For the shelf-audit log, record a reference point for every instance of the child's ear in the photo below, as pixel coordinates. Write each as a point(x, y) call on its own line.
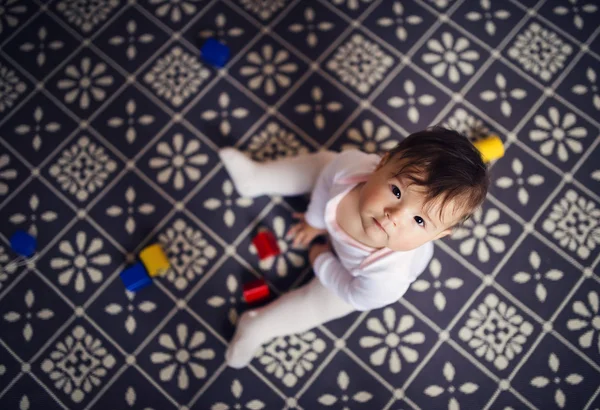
point(383, 161)
point(445, 232)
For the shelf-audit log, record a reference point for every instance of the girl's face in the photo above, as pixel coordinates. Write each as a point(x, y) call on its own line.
point(393, 215)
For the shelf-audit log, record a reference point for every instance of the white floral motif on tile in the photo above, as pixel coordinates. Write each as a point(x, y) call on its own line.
point(540, 51)
point(587, 321)
point(212, 204)
point(177, 76)
point(288, 255)
point(351, 4)
point(11, 11)
point(274, 142)
point(592, 87)
point(222, 30)
point(495, 331)
point(132, 121)
point(224, 112)
point(34, 128)
point(400, 20)
point(130, 40)
point(237, 389)
point(264, 9)
point(28, 316)
point(411, 100)
point(370, 139)
point(80, 261)
point(488, 16)
point(360, 63)
point(448, 388)
point(464, 123)
point(86, 15)
point(343, 381)
point(578, 10)
point(33, 216)
point(7, 173)
point(436, 284)
point(42, 46)
point(552, 275)
point(318, 108)
point(393, 341)
point(83, 168)
point(482, 234)
point(269, 69)
point(11, 87)
point(451, 56)
point(519, 182)
point(554, 381)
point(189, 253)
point(291, 358)
point(311, 27)
point(78, 364)
point(503, 94)
point(558, 132)
point(182, 356)
point(85, 82)
point(130, 309)
point(130, 210)
point(231, 298)
point(175, 10)
point(574, 223)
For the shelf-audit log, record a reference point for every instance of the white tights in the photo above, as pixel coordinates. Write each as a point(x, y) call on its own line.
point(303, 308)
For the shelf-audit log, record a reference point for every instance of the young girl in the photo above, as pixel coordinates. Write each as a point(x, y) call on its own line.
point(381, 215)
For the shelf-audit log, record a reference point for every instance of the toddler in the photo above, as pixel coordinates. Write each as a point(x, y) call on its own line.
point(381, 215)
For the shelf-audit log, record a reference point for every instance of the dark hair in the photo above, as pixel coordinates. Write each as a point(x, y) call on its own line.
point(447, 165)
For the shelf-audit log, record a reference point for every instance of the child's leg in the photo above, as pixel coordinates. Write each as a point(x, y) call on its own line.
point(286, 176)
point(294, 312)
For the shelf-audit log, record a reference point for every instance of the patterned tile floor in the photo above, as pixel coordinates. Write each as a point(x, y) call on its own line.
point(109, 126)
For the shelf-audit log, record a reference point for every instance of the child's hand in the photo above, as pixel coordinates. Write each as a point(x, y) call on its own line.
point(302, 232)
point(316, 250)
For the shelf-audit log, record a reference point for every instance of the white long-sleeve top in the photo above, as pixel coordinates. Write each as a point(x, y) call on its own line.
point(365, 277)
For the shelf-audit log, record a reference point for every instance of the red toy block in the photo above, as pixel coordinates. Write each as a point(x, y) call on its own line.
point(266, 245)
point(255, 291)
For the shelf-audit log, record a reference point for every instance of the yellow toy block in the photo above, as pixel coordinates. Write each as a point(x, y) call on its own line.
point(490, 148)
point(155, 260)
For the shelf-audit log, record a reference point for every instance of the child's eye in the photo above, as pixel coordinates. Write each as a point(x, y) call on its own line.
point(396, 191)
point(419, 221)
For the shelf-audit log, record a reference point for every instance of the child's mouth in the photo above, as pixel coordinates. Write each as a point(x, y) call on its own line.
point(379, 225)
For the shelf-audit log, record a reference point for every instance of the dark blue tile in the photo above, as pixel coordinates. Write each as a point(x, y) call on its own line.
point(220, 300)
point(129, 317)
point(504, 95)
point(344, 383)
point(309, 27)
point(131, 39)
point(29, 394)
point(82, 169)
point(86, 19)
point(38, 211)
point(283, 270)
point(318, 108)
point(80, 262)
point(506, 401)
point(131, 121)
point(31, 314)
point(521, 182)
point(488, 21)
point(220, 207)
point(133, 390)
point(540, 52)
point(224, 114)
point(577, 321)
point(268, 69)
point(580, 86)
point(263, 12)
point(450, 380)
point(15, 86)
point(9, 271)
point(84, 83)
point(538, 277)
point(495, 332)
point(9, 367)
point(578, 19)
point(440, 290)
point(554, 377)
point(175, 15)
point(361, 63)
point(191, 251)
point(392, 341)
point(595, 44)
point(41, 46)
point(353, 8)
point(589, 172)
point(12, 174)
point(400, 24)
point(369, 134)
point(411, 101)
point(77, 363)
point(37, 128)
point(130, 211)
point(178, 161)
point(15, 14)
point(182, 357)
point(238, 389)
point(484, 239)
point(223, 23)
point(450, 57)
point(469, 123)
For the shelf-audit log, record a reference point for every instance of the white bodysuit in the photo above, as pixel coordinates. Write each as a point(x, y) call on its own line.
point(364, 277)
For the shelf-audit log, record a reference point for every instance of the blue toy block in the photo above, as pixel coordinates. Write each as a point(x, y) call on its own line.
point(23, 243)
point(135, 277)
point(215, 53)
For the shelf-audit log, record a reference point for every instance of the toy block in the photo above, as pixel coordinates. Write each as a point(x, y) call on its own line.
point(215, 53)
point(23, 243)
point(135, 277)
point(155, 260)
point(255, 291)
point(266, 244)
point(490, 148)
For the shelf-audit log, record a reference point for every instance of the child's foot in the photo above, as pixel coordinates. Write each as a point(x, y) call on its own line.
point(242, 171)
point(244, 344)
